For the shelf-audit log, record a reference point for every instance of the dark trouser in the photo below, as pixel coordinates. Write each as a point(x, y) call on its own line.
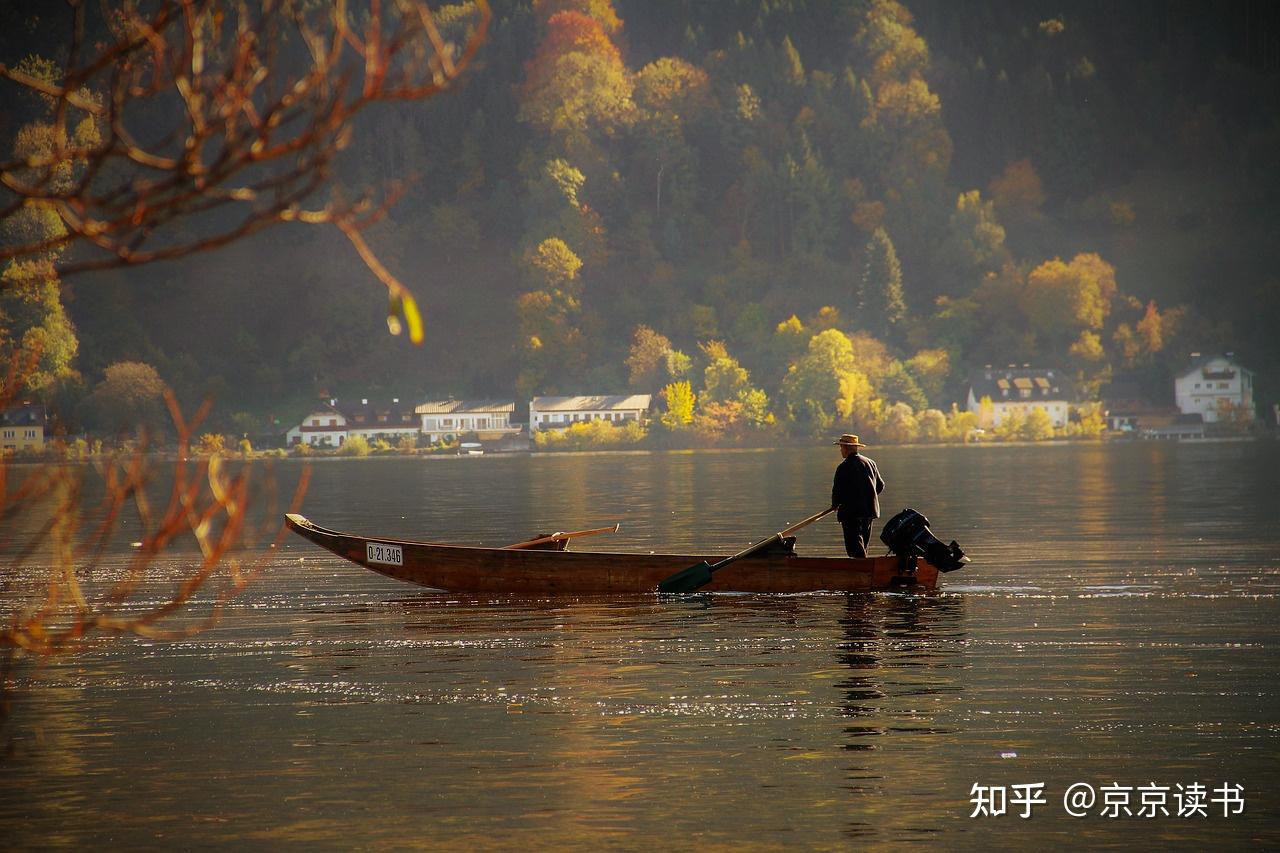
point(857, 532)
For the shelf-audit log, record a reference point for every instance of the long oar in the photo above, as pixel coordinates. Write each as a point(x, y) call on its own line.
point(555, 537)
point(696, 577)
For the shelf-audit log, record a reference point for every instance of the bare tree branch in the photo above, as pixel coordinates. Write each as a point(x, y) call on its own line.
point(254, 101)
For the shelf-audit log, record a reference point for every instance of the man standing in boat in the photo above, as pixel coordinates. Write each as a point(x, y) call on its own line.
point(855, 495)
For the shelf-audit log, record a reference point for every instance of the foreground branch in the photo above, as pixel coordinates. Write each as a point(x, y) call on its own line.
point(248, 105)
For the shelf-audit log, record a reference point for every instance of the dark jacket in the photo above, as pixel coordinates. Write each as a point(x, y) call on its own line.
point(856, 488)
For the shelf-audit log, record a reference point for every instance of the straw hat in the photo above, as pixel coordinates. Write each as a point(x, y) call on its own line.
point(849, 438)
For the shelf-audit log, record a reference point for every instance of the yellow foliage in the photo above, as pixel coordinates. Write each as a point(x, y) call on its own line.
point(1060, 298)
point(601, 11)
point(1038, 426)
point(1088, 348)
point(680, 401)
point(589, 435)
point(898, 424)
point(670, 85)
point(211, 444)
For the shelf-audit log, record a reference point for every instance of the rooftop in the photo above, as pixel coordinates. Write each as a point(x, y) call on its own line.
point(1040, 383)
point(1202, 363)
point(457, 407)
point(26, 414)
point(591, 404)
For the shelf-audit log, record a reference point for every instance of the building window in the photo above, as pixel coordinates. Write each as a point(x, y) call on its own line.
point(333, 422)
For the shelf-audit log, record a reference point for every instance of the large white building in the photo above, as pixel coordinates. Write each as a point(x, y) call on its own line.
point(1212, 383)
point(560, 412)
point(332, 425)
point(1019, 389)
point(324, 426)
point(448, 419)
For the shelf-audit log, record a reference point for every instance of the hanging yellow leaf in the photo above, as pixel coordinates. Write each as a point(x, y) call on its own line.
point(402, 313)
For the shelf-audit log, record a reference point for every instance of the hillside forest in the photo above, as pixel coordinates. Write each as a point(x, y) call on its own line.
point(794, 216)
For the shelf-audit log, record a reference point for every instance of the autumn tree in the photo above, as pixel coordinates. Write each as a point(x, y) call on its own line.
point(648, 357)
point(34, 323)
point(898, 424)
point(824, 384)
point(723, 378)
point(600, 11)
point(1139, 342)
point(131, 394)
point(552, 342)
point(1061, 300)
point(933, 425)
point(1010, 426)
point(1038, 426)
point(576, 87)
point(725, 381)
point(675, 88)
point(930, 369)
point(554, 267)
point(1017, 191)
point(680, 403)
point(790, 338)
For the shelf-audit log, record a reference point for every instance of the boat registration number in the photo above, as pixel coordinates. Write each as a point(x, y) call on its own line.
point(381, 552)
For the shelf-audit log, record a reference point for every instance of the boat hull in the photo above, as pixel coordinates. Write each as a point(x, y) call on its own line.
point(459, 568)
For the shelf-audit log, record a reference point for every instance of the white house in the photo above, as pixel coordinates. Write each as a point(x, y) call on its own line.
point(1211, 383)
point(375, 421)
point(559, 412)
point(1019, 389)
point(22, 428)
point(325, 426)
point(450, 418)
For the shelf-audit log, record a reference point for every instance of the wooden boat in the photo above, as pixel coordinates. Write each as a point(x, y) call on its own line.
point(548, 569)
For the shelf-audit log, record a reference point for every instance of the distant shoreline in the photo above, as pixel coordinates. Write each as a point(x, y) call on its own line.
point(332, 455)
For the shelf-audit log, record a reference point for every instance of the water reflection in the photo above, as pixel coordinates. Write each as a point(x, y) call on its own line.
point(1133, 638)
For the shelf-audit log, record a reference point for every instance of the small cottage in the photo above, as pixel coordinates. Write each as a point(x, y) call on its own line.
point(22, 428)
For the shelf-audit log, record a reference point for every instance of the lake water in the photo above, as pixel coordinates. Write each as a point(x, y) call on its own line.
point(1119, 626)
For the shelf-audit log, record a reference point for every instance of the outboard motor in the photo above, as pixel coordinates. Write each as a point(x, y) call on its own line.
point(908, 535)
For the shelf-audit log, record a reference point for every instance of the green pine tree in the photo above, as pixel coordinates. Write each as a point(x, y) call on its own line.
point(880, 301)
